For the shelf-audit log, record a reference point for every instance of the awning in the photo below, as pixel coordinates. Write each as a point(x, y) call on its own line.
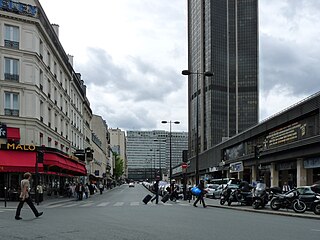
point(13, 134)
point(18, 161)
point(53, 159)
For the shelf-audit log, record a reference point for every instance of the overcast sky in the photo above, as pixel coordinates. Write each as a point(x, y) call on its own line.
point(130, 54)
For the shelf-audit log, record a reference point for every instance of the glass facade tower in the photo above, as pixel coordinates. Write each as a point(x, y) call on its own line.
point(223, 39)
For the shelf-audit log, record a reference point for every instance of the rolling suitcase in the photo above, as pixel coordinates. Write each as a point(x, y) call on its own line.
point(165, 198)
point(147, 199)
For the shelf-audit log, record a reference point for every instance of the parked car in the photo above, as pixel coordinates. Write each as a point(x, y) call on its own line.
point(131, 184)
point(210, 188)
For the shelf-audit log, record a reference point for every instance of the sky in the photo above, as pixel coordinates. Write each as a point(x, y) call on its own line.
point(130, 53)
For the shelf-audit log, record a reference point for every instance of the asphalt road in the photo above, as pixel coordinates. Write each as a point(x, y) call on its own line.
point(120, 214)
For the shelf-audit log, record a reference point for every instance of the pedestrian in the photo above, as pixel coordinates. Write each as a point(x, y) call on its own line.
point(101, 187)
point(156, 190)
point(25, 197)
point(86, 190)
point(200, 196)
point(285, 187)
point(40, 193)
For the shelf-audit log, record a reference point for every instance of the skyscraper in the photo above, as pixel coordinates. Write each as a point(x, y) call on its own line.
point(223, 39)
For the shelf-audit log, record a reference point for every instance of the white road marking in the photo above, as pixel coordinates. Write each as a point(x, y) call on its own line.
point(118, 204)
point(103, 204)
point(134, 204)
point(70, 205)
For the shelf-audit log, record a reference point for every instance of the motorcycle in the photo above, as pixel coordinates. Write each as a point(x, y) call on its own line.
point(237, 195)
point(316, 206)
point(225, 194)
point(288, 200)
point(260, 196)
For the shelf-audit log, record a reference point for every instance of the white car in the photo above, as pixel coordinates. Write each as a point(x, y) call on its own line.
point(131, 184)
point(210, 188)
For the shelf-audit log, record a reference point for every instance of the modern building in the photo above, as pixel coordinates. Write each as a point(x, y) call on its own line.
point(222, 39)
point(282, 148)
point(44, 106)
point(148, 153)
point(118, 145)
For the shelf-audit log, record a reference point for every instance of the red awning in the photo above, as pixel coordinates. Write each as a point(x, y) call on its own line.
point(13, 134)
point(53, 159)
point(18, 161)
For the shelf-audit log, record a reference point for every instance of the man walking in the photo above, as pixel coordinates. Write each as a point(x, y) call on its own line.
point(24, 197)
point(156, 190)
point(200, 197)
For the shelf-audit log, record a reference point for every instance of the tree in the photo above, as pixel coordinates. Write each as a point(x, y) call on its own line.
point(118, 169)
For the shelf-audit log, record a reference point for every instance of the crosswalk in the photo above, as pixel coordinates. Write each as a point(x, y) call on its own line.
point(110, 204)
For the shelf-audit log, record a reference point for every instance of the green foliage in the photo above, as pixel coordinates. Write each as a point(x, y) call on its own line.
point(118, 169)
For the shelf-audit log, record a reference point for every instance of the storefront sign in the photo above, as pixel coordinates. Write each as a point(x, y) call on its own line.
point(236, 167)
point(287, 166)
point(13, 146)
point(312, 163)
point(3, 131)
point(17, 7)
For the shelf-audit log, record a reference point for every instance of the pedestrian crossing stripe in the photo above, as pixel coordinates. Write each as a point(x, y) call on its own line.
point(103, 204)
point(114, 204)
point(118, 204)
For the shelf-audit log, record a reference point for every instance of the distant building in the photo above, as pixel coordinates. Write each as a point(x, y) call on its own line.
point(148, 153)
point(118, 145)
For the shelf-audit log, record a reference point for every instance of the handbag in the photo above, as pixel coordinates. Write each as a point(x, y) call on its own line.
point(196, 191)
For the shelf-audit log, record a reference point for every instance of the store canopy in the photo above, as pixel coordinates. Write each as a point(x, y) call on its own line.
point(53, 159)
point(18, 161)
point(13, 134)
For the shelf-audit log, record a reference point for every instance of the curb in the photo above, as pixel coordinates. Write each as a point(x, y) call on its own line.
point(271, 212)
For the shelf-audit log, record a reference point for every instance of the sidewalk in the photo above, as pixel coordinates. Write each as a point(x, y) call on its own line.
point(266, 210)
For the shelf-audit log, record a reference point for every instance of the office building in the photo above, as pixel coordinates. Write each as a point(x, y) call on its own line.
point(222, 39)
point(148, 153)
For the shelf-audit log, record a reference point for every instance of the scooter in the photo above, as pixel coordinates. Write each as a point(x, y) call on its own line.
point(288, 200)
point(260, 196)
point(239, 196)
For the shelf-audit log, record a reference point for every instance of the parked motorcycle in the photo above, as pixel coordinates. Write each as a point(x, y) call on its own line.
point(239, 196)
point(225, 194)
point(260, 196)
point(316, 206)
point(288, 200)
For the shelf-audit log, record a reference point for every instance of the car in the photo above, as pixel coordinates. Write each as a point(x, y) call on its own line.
point(217, 192)
point(131, 184)
point(210, 188)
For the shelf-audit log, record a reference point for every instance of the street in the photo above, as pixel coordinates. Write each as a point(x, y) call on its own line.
point(120, 214)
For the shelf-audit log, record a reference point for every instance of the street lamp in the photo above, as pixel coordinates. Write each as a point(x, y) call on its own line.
point(206, 74)
point(170, 158)
point(160, 169)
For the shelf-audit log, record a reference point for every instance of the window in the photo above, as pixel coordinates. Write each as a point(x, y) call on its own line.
point(11, 38)
point(11, 69)
point(11, 105)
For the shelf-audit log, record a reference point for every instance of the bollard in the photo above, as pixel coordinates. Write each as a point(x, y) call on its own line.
point(5, 196)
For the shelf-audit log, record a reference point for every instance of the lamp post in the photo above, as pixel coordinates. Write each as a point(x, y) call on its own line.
point(160, 170)
point(170, 156)
point(206, 74)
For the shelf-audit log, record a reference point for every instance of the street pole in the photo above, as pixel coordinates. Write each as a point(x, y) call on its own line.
point(170, 147)
point(206, 74)
point(197, 131)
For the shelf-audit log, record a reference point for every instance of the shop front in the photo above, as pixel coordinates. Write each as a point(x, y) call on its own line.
point(54, 169)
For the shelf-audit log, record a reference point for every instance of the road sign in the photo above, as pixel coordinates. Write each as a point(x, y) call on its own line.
point(184, 165)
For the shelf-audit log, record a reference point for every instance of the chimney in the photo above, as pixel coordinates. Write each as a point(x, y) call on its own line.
point(56, 29)
point(70, 59)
